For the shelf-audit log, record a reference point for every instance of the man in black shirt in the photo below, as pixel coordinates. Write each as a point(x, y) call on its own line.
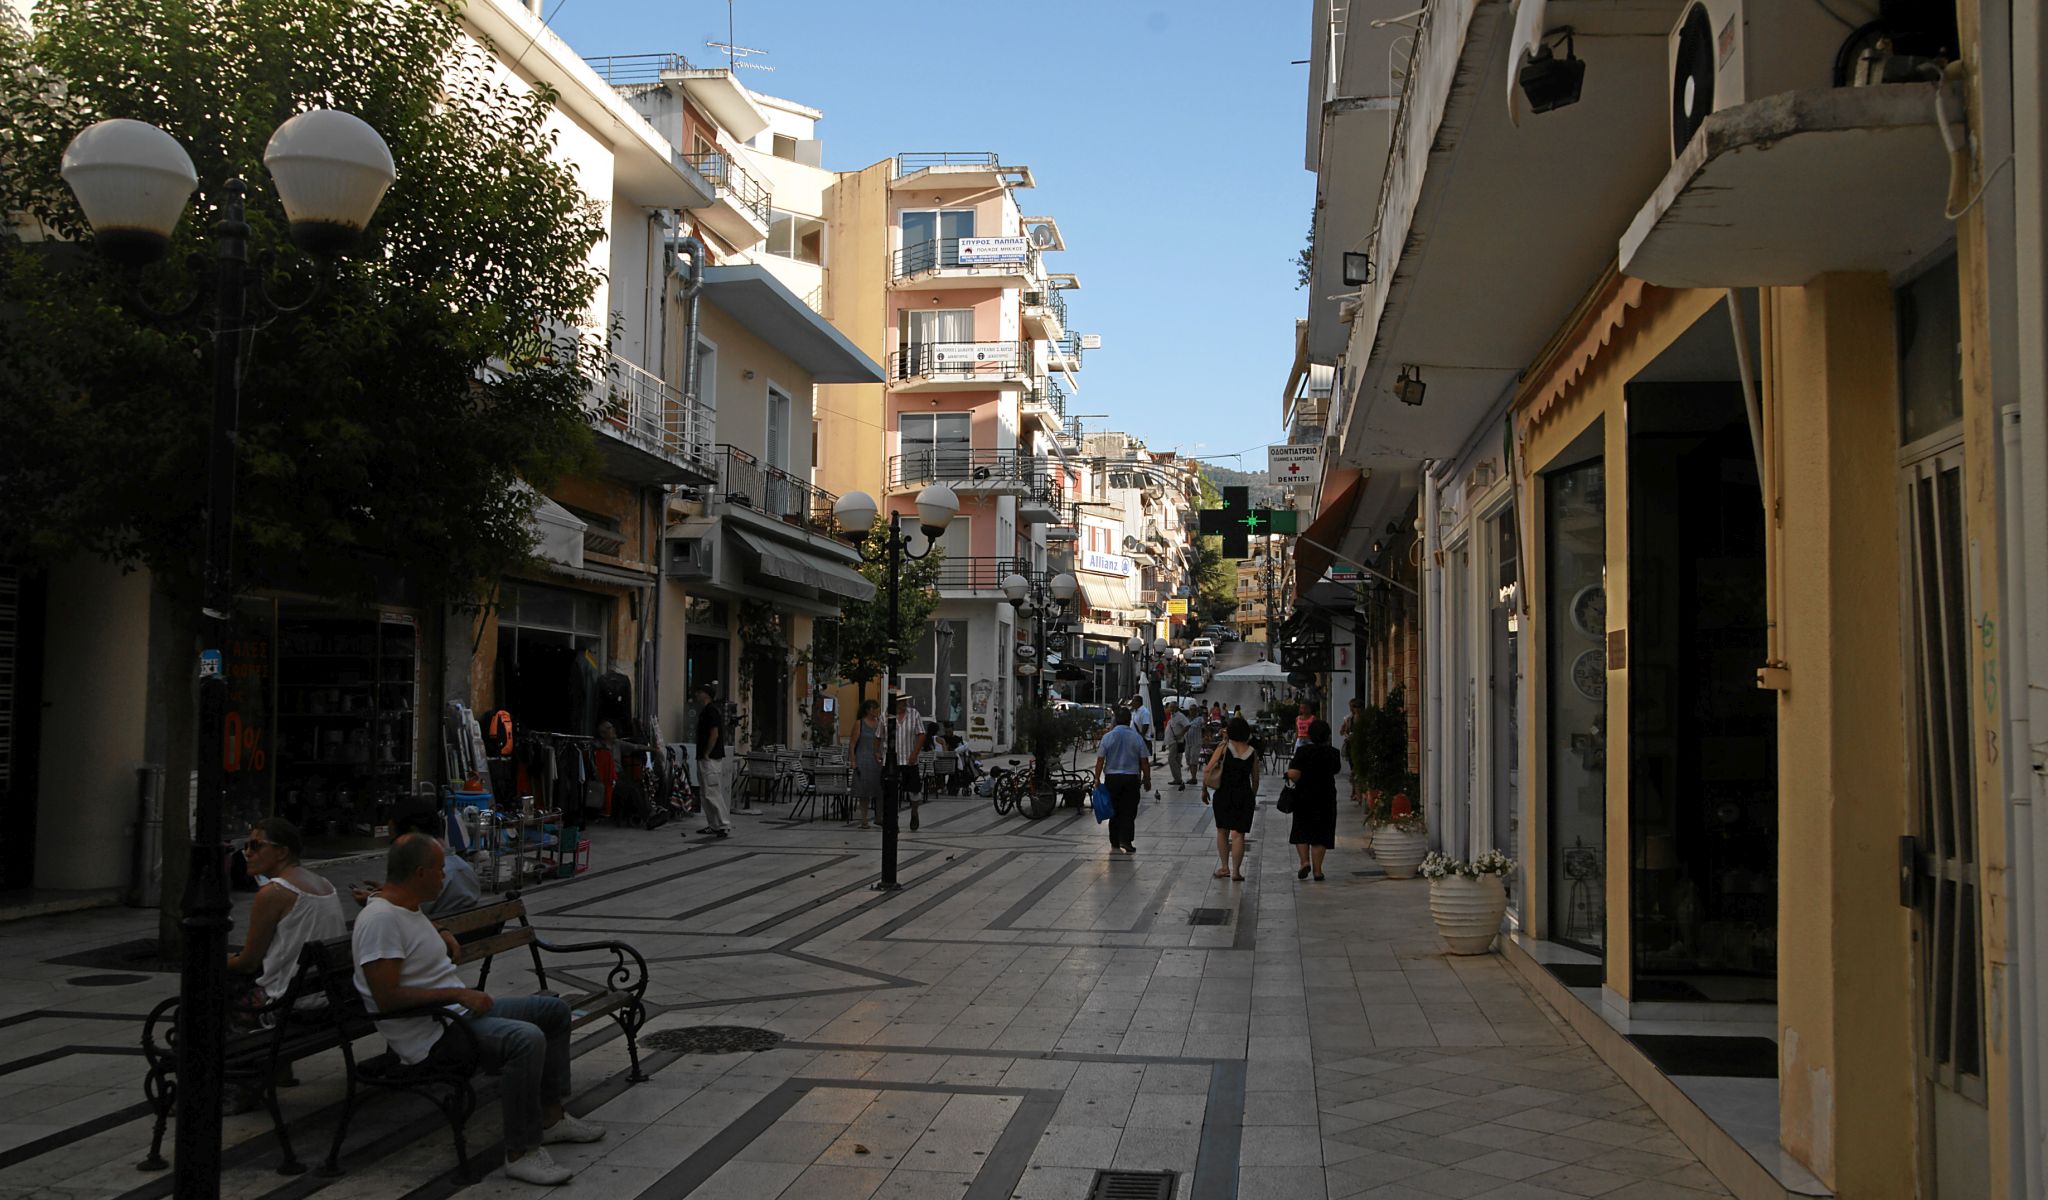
point(714, 763)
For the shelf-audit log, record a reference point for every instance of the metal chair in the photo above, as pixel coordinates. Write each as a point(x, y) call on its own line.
point(760, 772)
point(939, 769)
point(828, 788)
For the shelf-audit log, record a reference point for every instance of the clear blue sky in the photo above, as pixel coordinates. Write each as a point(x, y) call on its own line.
point(1165, 136)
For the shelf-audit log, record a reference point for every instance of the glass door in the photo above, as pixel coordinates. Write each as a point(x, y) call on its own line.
point(934, 446)
point(1504, 694)
point(931, 237)
point(1575, 549)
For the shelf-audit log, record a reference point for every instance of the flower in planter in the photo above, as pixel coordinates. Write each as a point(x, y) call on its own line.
point(1400, 806)
point(1493, 862)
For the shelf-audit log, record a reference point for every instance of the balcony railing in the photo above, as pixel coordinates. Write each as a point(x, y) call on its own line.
point(940, 254)
point(911, 162)
point(947, 464)
point(979, 574)
point(642, 409)
point(959, 360)
point(721, 169)
point(745, 480)
point(619, 69)
point(1047, 394)
point(1048, 297)
point(1069, 347)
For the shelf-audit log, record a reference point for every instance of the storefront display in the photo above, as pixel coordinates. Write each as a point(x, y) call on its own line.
point(1575, 544)
point(346, 725)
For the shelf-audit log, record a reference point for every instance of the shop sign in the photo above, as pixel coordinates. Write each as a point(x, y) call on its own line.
point(1105, 564)
point(1177, 607)
point(977, 250)
point(1293, 464)
point(1091, 341)
point(956, 354)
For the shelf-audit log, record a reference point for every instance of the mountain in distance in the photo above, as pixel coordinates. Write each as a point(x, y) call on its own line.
point(1263, 494)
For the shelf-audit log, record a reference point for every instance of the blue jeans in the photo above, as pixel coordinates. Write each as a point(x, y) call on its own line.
point(527, 1039)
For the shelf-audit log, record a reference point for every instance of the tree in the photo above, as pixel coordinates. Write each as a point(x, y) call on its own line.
point(383, 426)
point(864, 624)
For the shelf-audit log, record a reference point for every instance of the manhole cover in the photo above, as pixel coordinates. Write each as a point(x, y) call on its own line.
point(1132, 1185)
point(105, 980)
point(1209, 916)
point(712, 1039)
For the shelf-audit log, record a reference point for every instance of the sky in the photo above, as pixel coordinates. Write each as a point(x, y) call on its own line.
point(1165, 137)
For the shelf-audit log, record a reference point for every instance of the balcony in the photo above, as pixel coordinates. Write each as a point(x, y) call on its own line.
point(747, 482)
point(973, 578)
point(1046, 403)
point(950, 263)
point(956, 171)
point(1064, 353)
point(1043, 504)
point(651, 434)
point(977, 472)
point(1045, 312)
point(739, 208)
point(954, 366)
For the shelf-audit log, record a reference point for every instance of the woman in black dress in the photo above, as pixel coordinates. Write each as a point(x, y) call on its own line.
point(1313, 772)
point(1236, 796)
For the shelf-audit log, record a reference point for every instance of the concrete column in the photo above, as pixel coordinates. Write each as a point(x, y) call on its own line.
point(1845, 974)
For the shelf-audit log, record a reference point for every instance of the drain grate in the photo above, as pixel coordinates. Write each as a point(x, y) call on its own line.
point(1209, 916)
point(1132, 1185)
point(712, 1039)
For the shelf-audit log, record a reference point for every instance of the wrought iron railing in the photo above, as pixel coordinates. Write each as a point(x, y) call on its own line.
point(911, 162)
point(638, 407)
point(744, 479)
point(960, 360)
point(724, 172)
point(1069, 348)
point(1049, 297)
point(959, 465)
point(618, 69)
point(1047, 489)
point(943, 254)
point(979, 574)
point(1047, 394)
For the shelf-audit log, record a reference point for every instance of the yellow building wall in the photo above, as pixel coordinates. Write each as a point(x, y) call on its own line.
point(850, 415)
point(1845, 1005)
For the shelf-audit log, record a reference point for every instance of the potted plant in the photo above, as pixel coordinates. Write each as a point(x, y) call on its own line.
point(1467, 899)
point(1401, 837)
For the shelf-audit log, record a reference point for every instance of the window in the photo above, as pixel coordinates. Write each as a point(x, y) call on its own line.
point(793, 235)
point(785, 147)
point(925, 330)
point(931, 237)
point(775, 451)
point(817, 445)
point(934, 445)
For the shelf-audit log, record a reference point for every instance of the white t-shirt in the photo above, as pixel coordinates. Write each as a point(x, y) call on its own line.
point(384, 930)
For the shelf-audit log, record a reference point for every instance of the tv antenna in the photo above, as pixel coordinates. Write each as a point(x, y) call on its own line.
point(735, 54)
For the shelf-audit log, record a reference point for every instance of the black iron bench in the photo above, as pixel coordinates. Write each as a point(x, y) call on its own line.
point(321, 1010)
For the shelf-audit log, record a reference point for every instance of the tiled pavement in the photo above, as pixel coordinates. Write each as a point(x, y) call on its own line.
point(1027, 1011)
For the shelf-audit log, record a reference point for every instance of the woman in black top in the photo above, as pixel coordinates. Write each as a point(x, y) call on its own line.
point(1236, 796)
point(1313, 772)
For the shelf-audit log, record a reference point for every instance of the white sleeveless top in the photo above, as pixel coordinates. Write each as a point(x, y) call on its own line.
point(312, 919)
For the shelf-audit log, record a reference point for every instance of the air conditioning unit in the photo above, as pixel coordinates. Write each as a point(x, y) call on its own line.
point(689, 558)
point(1033, 299)
point(1728, 52)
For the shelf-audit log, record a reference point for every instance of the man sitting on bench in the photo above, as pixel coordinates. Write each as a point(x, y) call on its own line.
point(403, 961)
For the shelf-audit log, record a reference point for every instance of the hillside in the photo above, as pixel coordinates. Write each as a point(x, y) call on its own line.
point(1263, 494)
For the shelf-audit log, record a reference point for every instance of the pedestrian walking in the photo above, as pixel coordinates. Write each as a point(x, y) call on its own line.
point(404, 962)
point(867, 758)
point(714, 763)
point(1176, 734)
point(910, 740)
point(1351, 721)
point(1141, 720)
point(1187, 753)
point(1313, 772)
point(1233, 771)
point(1303, 718)
point(1126, 761)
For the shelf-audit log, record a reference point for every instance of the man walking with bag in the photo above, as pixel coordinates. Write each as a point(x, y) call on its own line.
point(1176, 732)
point(1127, 762)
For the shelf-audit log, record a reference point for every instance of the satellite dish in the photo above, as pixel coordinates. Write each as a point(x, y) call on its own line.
point(1043, 237)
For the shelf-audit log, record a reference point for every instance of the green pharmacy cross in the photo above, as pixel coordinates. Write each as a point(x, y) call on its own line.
point(1237, 522)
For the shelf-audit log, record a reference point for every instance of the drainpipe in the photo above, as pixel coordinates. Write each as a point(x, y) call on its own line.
point(692, 286)
point(2019, 794)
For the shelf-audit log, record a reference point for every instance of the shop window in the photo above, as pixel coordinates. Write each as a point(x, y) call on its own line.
point(1576, 549)
point(346, 725)
point(1929, 316)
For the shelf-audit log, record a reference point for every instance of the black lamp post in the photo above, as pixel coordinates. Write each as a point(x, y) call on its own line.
point(857, 512)
point(1143, 650)
point(1041, 597)
point(133, 180)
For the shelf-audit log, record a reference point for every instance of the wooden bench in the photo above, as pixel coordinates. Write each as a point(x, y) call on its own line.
point(321, 1010)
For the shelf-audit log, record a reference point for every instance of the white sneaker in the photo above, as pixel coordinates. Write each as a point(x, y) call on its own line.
point(538, 1167)
point(569, 1129)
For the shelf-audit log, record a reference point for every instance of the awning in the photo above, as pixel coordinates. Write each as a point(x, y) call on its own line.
point(557, 532)
point(794, 565)
point(1106, 591)
point(770, 311)
point(1310, 558)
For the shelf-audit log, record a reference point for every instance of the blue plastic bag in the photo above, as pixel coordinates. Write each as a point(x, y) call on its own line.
point(1105, 808)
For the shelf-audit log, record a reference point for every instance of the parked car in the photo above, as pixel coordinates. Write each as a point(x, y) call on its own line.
point(1202, 643)
point(1198, 681)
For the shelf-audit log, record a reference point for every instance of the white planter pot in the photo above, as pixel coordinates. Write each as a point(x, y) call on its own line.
point(1399, 852)
point(1468, 911)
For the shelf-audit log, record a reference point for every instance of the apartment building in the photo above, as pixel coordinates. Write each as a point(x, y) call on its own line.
point(937, 271)
point(1697, 486)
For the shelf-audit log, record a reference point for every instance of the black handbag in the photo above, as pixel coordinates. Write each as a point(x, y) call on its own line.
point(1285, 802)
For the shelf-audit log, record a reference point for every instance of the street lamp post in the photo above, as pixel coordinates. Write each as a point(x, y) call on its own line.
point(133, 181)
point(857, 512)
point(1143, 651)
point(1042, 597)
